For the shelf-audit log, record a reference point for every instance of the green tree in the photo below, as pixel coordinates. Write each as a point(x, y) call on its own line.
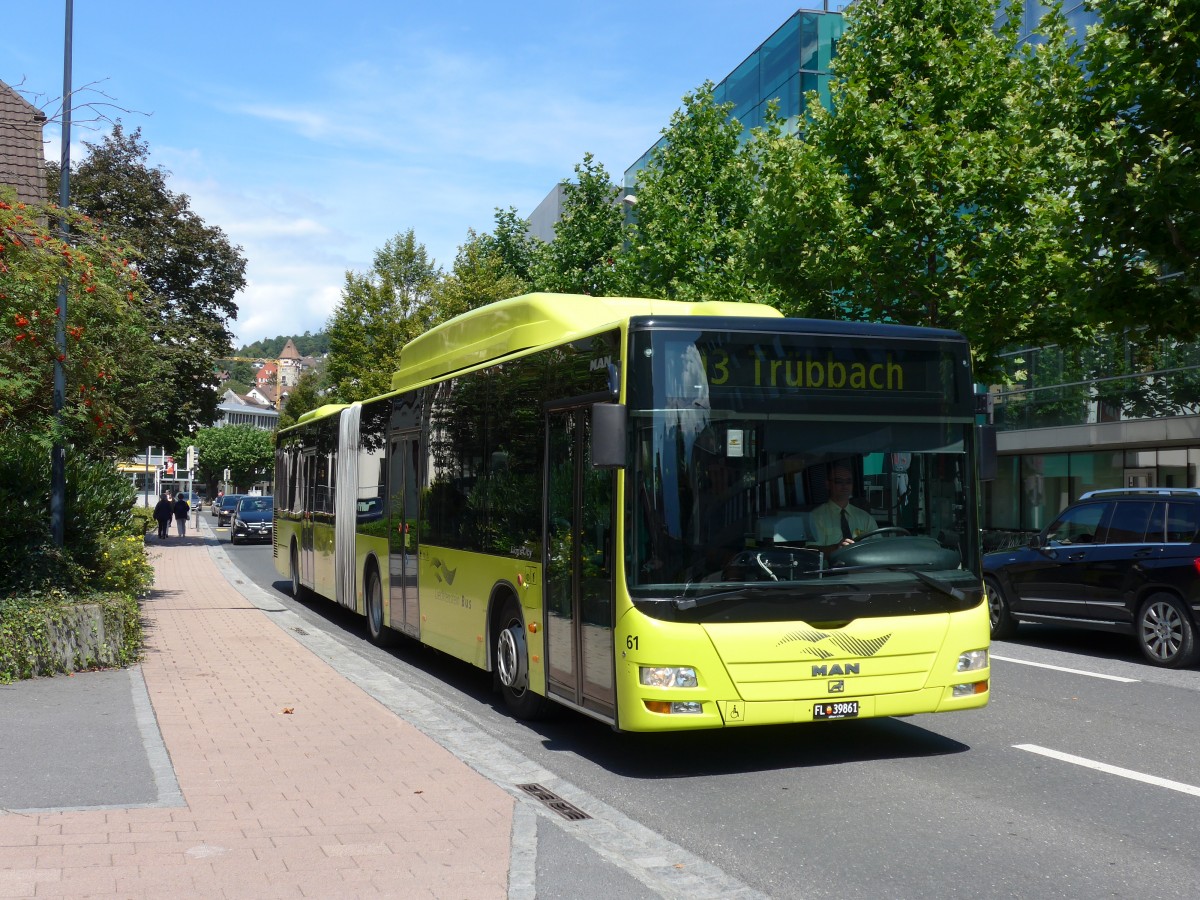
point(108, 345)
point(378, 313)
point(481, 275)
point(241, 372)
point(510, 241)
point(693, 203)
point(938, 192)
point(1141, 194)
point(191, 267)
point(588, 238)
point(248, 453)
point(307, 344)
point(305, 395)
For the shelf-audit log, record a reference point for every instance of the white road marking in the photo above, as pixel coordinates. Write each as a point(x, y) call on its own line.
point(1112, 770)
point(1025, 662)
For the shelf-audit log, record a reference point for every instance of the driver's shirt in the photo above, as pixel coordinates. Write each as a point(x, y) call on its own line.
point(827, 523)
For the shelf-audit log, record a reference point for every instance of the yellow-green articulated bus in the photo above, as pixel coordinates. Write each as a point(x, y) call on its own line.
point(663, 515)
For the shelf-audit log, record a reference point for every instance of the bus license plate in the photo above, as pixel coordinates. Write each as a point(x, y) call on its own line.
point(843, 709)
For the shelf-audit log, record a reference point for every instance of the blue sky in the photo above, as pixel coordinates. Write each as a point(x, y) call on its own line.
point(313, 132)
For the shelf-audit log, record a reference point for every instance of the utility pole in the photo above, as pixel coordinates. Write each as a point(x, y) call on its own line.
point(58, 454)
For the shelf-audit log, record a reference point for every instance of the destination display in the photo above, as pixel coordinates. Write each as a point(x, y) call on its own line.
point(680, 368)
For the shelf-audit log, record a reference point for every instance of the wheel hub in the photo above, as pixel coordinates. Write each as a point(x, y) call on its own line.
point(510, 657)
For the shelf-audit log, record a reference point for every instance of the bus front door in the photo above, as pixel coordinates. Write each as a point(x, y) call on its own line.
point(578, 572)
point(403, 455)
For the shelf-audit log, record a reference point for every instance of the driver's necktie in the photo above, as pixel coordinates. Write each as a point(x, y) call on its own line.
point(846, 535)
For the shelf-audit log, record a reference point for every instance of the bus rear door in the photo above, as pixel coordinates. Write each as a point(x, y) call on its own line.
point(403, 456)
point(308, 470)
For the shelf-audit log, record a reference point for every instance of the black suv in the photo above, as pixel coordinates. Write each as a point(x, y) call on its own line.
point(1124, 560)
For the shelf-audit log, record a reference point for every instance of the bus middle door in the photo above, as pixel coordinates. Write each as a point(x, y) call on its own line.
point(579, 588)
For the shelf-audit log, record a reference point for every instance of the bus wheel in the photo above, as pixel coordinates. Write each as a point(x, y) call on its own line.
point(381, 635)
point(297, 587)
point(512, 665)
point(1003, 624)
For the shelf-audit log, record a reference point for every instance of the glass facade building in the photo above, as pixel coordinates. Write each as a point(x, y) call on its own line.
point(785, 67)
point(1029, 13)
point(1112, 414)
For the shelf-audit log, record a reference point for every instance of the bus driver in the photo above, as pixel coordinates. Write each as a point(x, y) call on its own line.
point(837, 523)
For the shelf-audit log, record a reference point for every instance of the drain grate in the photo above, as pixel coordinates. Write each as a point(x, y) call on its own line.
point(563, 807)
point(299, 630)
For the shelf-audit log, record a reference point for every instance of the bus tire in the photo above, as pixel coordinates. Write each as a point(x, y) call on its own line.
point(381, 635)
point(1165, 632)
point(299, 592)
point(512, 664)
point(1002, 621)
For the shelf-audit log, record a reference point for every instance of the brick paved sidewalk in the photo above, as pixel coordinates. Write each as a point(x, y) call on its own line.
point(295, 782)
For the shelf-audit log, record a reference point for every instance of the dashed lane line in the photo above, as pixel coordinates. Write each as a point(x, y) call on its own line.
point(1111, 770)
point(1025, 662)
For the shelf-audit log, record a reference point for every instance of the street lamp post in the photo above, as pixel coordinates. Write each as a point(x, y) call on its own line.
point(58, 455)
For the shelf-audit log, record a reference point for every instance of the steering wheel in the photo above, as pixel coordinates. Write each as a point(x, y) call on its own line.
point(879, 532)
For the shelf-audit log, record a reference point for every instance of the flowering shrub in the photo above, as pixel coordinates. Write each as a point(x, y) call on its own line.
point(106, 334)
point(123, 566)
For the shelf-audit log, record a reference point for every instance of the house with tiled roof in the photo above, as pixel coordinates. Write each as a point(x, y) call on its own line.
point(266, 375)
point(22, 154)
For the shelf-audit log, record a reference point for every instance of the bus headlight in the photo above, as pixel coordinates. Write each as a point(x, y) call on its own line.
point(668, 676)
point(973, 661)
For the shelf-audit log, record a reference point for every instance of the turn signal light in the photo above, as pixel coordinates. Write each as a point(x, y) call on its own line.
point(666, 707)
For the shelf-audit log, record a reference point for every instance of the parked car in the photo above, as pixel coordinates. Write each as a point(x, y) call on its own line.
point(193, 499)
point(1123, 560)
point(253, 520)
point(225, 508)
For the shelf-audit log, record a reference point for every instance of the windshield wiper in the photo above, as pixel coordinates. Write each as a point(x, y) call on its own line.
point(686, 601)
point(936, 583)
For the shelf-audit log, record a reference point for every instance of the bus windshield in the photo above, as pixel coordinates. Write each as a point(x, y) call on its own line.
point(796, 476)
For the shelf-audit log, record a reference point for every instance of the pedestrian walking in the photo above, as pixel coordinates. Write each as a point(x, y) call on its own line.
point(182, 510)
point(162, 515)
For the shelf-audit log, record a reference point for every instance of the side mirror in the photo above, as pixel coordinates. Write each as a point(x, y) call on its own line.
point(608, 435)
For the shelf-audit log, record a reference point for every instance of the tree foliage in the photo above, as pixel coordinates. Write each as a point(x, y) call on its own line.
point(378, 313)
point(481, 275)
point(510, 242)
point(588, 238)
point(305, 395)
point(108, 347)
point(1140, 194)
point(693, 202)
point(191, 268)
point(247, 452)
point(938, 191)
point(307, 344)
